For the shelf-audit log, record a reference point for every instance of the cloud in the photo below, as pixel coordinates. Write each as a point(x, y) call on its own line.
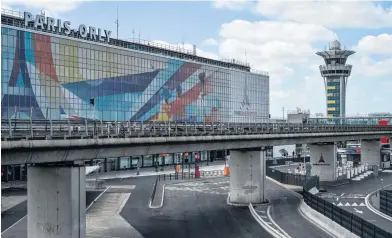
point(233, 4)
point(379, 45)
point(210, 42)
point(52, 7)
point(271, 46)
point(366, 66)
point(335, 14)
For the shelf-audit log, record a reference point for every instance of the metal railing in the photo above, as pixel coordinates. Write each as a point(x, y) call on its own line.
point(344, 218)
point(386, 202)
point(286, 178)
point(17, 129)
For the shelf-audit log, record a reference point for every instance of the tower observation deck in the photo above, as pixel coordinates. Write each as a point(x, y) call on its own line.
point(335, 73)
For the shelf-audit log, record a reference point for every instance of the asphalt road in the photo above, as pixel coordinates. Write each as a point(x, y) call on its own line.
point(355, 192)
point(191, 209)
point(284, 211)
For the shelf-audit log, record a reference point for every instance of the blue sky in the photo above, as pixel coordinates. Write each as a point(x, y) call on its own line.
point(278, 36)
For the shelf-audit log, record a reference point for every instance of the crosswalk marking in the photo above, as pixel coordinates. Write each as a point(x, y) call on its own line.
point(350, 205)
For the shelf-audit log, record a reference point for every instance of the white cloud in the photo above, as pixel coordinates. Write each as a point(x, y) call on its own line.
point(366, 66)
point(52, 7)
point(210, 42)
point(271, 46)
point(333, 14)
point(232, 4)
point(380, 45)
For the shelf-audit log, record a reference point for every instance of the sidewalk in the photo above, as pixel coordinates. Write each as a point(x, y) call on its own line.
point(216, 165)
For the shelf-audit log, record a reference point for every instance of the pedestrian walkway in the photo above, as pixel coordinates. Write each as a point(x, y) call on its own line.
point(11, 201)
point(103, 219)
point(217, 165)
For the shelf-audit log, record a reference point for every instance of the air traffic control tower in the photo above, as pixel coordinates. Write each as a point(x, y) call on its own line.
point(335, 73)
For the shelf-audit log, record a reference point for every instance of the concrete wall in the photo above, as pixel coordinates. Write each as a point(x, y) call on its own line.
point(370, 152)
point(326, 171)
point(20, 152)
point(56, 202)
point(247, 176)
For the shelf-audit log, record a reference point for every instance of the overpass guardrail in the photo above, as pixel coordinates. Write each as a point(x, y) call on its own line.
point(18, 129)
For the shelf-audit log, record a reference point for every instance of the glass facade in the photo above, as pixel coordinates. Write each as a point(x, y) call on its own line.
point(350, 120)
point(333, 97)
point(49, 76)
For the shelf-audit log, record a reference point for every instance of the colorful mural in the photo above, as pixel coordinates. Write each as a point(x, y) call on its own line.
point(49, 77)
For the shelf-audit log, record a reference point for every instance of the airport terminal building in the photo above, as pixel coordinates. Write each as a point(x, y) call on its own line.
point(54, 70)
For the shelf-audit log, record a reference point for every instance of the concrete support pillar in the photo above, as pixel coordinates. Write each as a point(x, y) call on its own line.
point(323, 160)
point(370, 152)
point(56, 198)
point(247, 176)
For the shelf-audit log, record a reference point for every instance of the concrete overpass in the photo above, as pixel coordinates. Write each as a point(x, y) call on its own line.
point(56, 203)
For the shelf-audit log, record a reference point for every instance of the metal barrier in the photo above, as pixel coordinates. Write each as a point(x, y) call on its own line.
point(386, 202)
point(344, 218)
point(21, 129)
point(190, 175)
point(282, 161)
point(286, 178)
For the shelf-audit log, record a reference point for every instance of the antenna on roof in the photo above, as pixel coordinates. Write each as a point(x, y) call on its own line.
point(117, 23)
point(246, 57)
point(183, 44)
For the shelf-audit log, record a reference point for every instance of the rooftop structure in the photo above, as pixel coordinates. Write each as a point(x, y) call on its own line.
point(14, 18)
point(335, 73)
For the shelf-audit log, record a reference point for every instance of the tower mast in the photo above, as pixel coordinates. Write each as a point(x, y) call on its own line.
point(335, 73)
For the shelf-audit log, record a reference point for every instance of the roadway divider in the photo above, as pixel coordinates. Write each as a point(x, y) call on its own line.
point(341, 218)
point(276, 233)
point(331, 218)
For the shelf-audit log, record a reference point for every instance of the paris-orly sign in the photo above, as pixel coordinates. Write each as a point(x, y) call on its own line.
point(51, 24)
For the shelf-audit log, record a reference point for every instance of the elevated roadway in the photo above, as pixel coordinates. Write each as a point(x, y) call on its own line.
point(62, 141)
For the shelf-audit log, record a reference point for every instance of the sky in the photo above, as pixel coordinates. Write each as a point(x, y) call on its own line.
point(280, 37)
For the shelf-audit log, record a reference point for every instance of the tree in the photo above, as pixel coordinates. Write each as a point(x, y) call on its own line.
point(298, 150)
point(283, 152)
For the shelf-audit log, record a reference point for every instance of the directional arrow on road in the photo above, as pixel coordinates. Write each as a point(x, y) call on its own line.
point(356, 210)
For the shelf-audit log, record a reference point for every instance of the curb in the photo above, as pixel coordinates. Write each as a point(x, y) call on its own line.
point(235, 204)
point(330, 227)
point(264, 224)
point(96, 199)
point(163, 196)
point(374, 210)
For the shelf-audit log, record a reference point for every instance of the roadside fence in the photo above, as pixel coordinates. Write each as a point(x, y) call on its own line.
point(386, 202)
point(346, 219)
point(286, 178)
